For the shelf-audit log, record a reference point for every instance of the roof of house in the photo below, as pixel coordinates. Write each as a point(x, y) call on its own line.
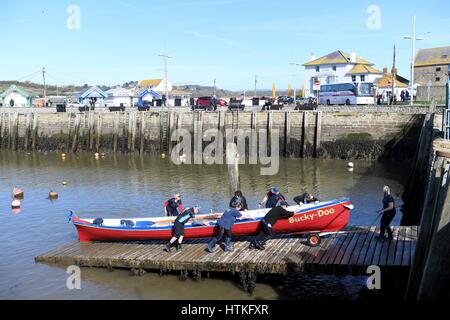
point(93, 92)
point(15, 88)
point(432, 56)
point(383, 82)
point(337, 57)
point(363, 69)
point(180, 92)
point(118, 92)
point(150, 83)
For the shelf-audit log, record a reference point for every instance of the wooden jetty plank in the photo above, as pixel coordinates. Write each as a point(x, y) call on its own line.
point(330, 256)
point(372, 247)
point(400, 246)
point(357, 234)
point(393, 247)
point(406, 260)
point(345, 244)
point(387, 243)
point(284, 253)
point(351, 260)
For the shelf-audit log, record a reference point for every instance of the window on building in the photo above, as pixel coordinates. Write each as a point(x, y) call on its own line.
point(438, 79)
point(363, 78)
point(334, 68)
point(354, 78)
point(438, 69)
point(317, 68)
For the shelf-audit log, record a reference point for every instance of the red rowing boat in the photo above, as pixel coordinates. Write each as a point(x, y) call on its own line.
point(317, 218)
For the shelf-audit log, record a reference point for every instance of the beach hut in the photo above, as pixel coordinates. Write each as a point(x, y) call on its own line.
point(94, 96)
point(15, 97)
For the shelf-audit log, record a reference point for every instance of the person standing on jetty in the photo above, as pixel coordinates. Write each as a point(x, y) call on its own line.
point(388, 213)
point(266, 231)
point(173, 206)
point(225, 224)
point(178, 227)
point(273, 198)
point(239, 197)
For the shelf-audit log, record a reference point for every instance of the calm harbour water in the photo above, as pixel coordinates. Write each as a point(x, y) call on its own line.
point(134, 186)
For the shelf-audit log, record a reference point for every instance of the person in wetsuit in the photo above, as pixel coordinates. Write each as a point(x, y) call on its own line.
point(178, 228)
point(225, 224)
point(266, 231)
point(388, 213)
point(305, 198)
point(273, 198)
point(239, 197)
point(173, 206)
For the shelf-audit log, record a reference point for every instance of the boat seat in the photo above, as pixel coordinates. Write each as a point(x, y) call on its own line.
point(144, 224)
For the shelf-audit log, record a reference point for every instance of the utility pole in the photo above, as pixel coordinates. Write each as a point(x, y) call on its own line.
point(214, 95)
point(45, 87)
point(295, 64)
point(394, 76)
point(166, 78)
point(256, 81)
point(413, 53)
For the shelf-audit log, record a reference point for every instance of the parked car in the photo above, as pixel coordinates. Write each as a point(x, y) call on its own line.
point(205, 103)
point(236, 104)
point(285, 100)
point(309, 103)
point(222, 103)
point(72, 104)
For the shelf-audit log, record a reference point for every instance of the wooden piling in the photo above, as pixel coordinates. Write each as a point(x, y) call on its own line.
point(98, 132)
point(318, 132)
point(305, 139)
point(287, 133)
point(27, 131)
point(115, 131)
point(92, 129)
point(15, 128)
point(76, 132)
point(34, 131)
point(142, 134)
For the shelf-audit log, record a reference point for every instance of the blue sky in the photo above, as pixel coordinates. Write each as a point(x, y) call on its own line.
point(230, 40)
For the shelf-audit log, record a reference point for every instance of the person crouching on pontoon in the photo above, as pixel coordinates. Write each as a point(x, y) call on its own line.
point(266, 231)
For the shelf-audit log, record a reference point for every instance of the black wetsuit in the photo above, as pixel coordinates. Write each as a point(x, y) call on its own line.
point(172, 207)
point(268, 222)
point(243, 201)
point(180, 221)
point(387, 216)
point(303, 199)
point(274, 199)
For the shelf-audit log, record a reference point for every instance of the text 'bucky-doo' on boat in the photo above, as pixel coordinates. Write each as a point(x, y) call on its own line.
point(315, 219)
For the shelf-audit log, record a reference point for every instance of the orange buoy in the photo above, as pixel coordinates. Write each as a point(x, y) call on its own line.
point(17, 193)
point(53, 195)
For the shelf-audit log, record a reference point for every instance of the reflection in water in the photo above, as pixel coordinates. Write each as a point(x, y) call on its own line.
point(134, 186)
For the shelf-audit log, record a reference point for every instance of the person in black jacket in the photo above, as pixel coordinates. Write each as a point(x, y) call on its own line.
point(273, 198)
point(388, 212)
point(305, 198)
point(178, 228)
point(239, 197)
point(173, 206)
point(266, 231)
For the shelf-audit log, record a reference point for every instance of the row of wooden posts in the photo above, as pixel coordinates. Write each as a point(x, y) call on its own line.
point(85, 130)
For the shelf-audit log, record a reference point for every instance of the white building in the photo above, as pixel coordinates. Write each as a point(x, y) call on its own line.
point(337, 67)
point(119, 97)
point(15, 97)
point(160, 87)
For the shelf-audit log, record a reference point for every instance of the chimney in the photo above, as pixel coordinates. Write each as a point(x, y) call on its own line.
point(353, 56)
point(385, 70)
point(394, 71)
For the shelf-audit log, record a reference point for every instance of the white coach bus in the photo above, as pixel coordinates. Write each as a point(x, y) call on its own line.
point(347, 93)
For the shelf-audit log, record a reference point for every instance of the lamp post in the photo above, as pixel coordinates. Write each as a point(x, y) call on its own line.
point(295, 80)
point(413, 38)
point(165, 57)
